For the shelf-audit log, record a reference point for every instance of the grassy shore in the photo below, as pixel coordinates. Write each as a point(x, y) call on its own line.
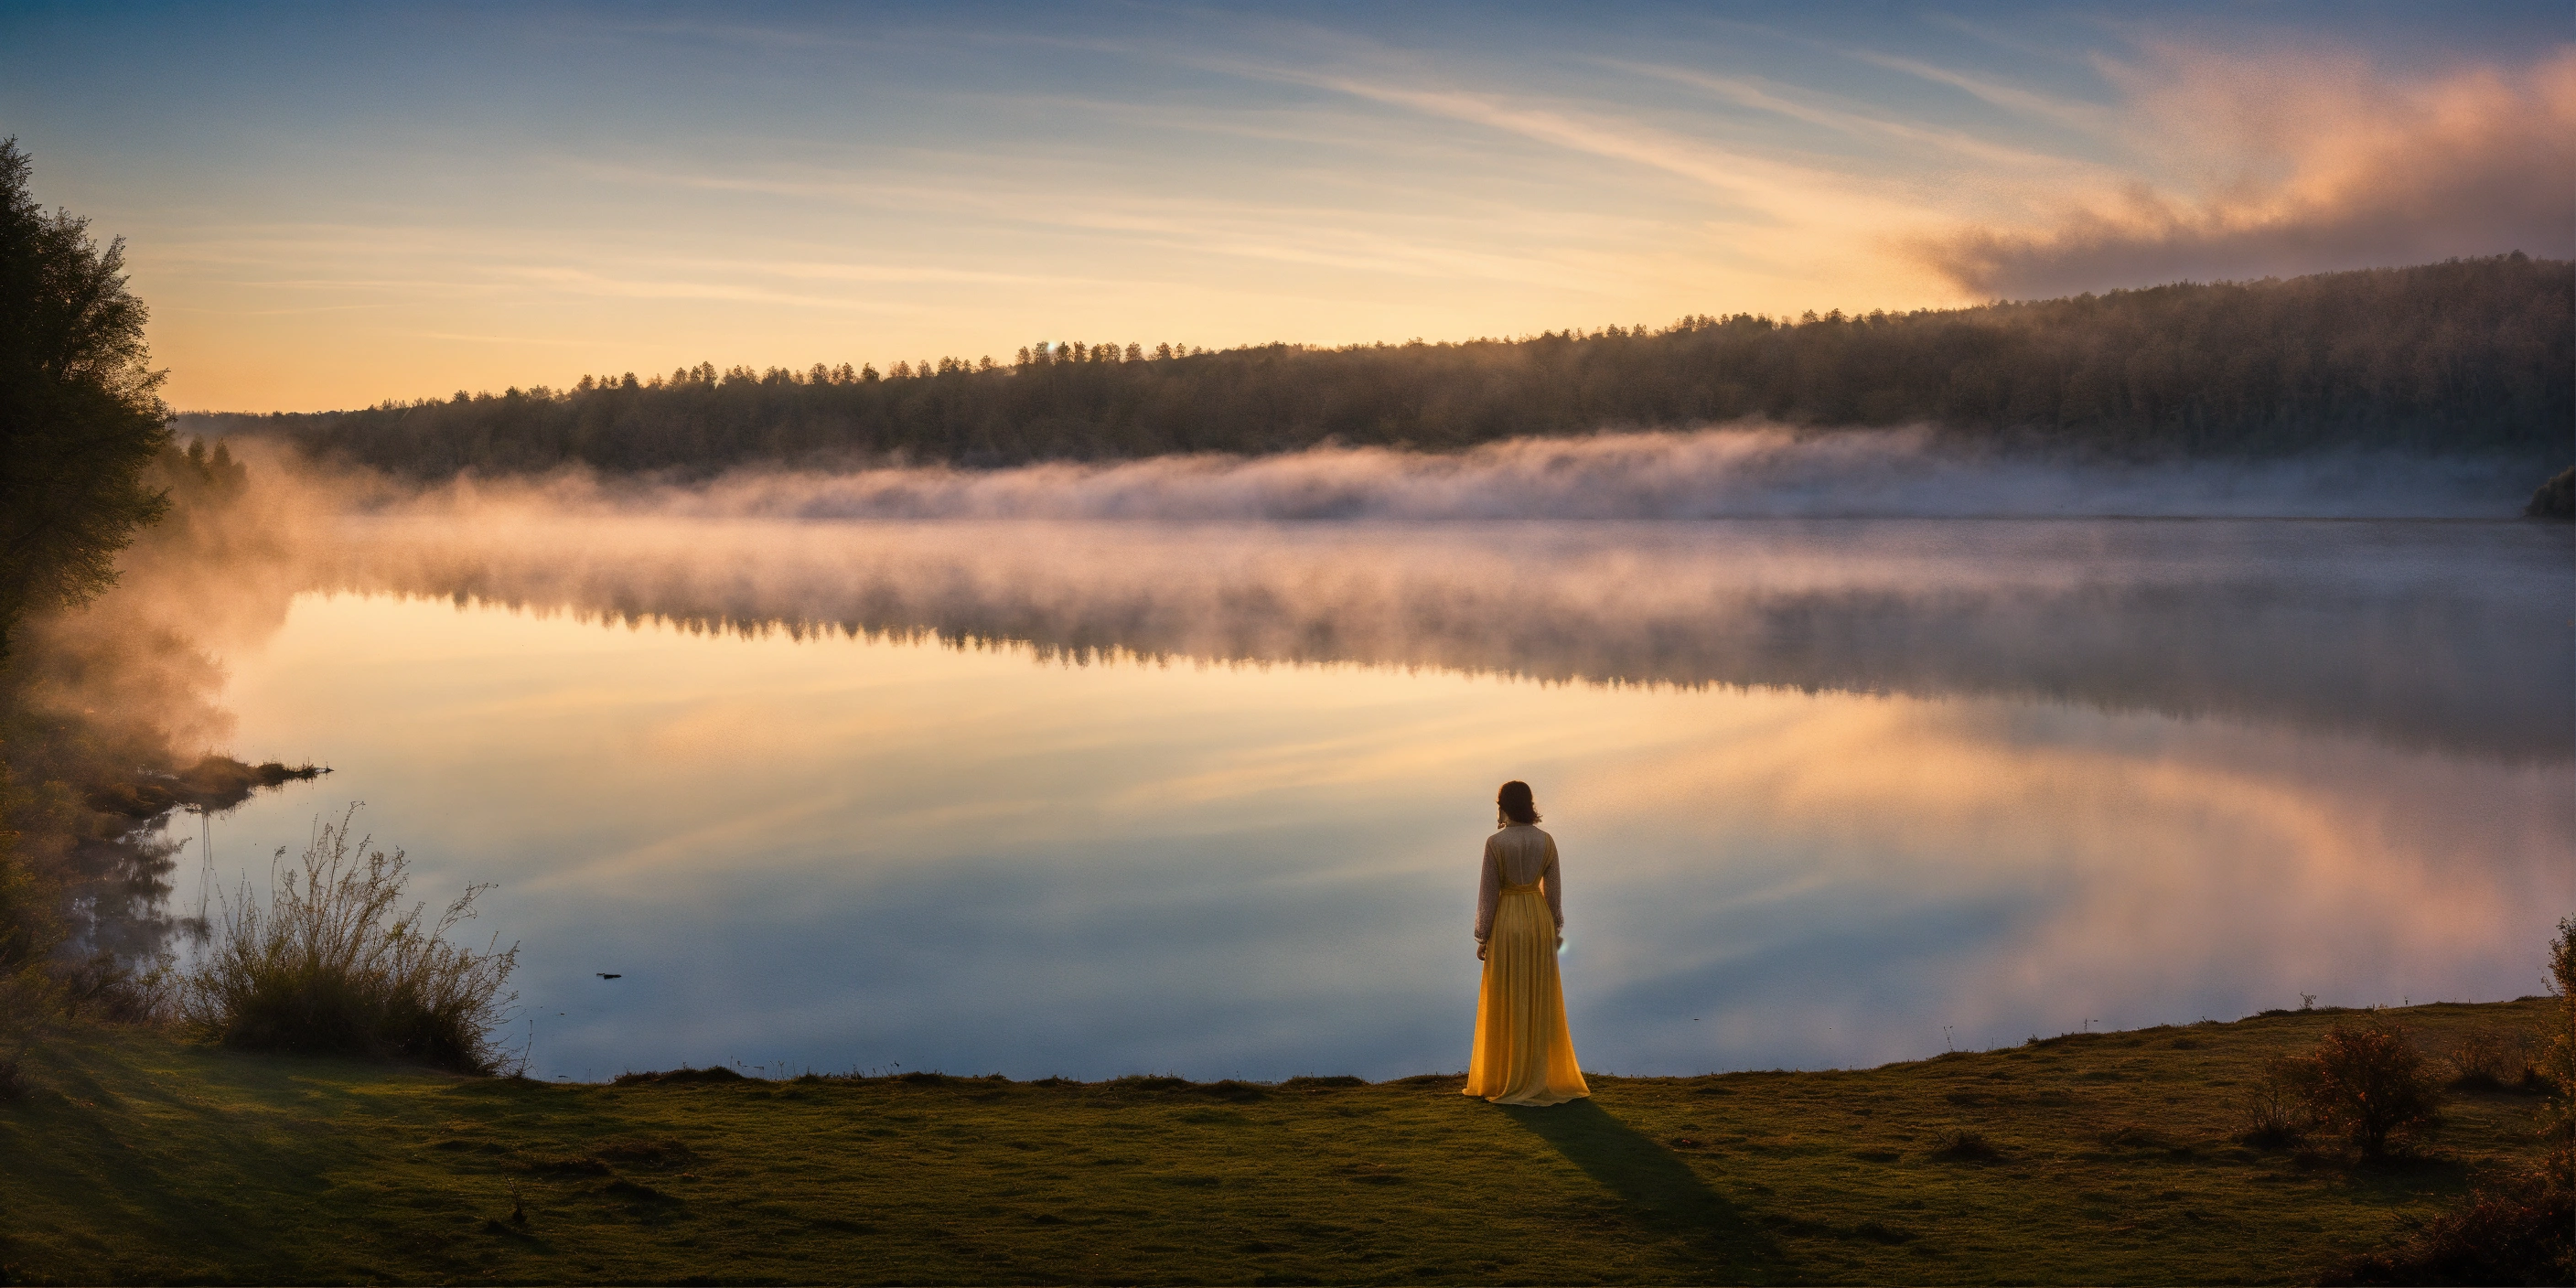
point(135, 1158)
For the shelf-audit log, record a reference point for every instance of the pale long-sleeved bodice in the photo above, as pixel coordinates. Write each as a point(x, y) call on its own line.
point(1518, 855)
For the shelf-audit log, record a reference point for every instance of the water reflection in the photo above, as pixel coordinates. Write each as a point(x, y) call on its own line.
point(2451, 635)
point(2005, 807)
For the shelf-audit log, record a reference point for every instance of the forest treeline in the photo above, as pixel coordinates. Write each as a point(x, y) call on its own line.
point(2467, 356)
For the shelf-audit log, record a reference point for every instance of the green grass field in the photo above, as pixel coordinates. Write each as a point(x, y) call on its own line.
point(135, 1158)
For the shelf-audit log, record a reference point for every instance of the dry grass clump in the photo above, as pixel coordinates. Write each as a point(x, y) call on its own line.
point(1322, 1082)
point(2135, 1136)
point(334, 964)
point(683, 1074)
point(1961, 1145)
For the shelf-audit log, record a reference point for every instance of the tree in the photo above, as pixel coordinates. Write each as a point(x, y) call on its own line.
point(2369, 1082)
point(2471, 358)
point(80, 412)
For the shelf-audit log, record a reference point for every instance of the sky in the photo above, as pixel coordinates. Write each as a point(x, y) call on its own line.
point(332, 206)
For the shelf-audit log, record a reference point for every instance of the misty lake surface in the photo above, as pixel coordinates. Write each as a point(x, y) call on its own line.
point(1103, 798)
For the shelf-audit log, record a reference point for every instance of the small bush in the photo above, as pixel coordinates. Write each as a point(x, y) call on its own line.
point(2520, 1232)
point(2368, 1082)
point(334, 965)
point(2558, 1057)
point(106, 987)
point(2276, 1111)
point(1962, 1145)
point(2490, 1057)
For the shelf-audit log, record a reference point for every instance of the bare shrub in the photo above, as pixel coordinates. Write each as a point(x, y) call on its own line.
point(2276, 1110)
point(334, 964)
point(107, 987)
point(2368, 1082)
point(2490, 1057)
point(1962, 1145)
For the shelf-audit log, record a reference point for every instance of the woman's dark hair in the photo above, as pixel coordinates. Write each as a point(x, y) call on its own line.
point(1515, 802)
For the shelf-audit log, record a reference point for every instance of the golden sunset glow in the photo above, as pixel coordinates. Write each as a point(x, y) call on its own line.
point(429, 201)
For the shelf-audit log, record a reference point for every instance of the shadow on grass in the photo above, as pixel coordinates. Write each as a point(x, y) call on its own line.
point(216, 1165)
point(1657, 1188)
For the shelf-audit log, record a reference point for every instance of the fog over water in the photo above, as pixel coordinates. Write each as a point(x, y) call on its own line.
point(2426, 634)
point(840, 784)
point(1729, 472)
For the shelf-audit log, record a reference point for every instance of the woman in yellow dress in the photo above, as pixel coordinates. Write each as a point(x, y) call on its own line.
point(1523, 1056)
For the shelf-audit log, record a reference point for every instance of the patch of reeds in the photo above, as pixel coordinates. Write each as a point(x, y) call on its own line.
point(334, 963)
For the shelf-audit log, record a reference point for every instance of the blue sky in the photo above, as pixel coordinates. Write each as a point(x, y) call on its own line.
point(329, 205)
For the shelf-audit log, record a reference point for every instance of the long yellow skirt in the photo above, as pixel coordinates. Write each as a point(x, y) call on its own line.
point(1524, 1056)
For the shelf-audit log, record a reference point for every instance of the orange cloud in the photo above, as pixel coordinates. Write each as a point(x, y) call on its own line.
point(2300, 164)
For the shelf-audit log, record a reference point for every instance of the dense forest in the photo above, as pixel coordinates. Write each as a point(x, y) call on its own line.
point(2468, 356)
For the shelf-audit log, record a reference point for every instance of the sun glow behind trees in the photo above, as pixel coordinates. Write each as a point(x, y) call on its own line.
point(2465, 358)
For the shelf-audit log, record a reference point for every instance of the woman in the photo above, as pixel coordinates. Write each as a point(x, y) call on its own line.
point(1523, 1054)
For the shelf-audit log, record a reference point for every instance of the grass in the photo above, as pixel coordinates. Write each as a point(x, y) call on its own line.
point(2103, 1158)
point(333, 963)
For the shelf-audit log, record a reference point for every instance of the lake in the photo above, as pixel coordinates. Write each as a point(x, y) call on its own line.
point(1098, 798)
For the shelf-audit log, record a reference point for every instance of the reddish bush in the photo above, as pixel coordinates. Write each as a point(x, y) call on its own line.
point(2370, 1083)
point(2520, 1232)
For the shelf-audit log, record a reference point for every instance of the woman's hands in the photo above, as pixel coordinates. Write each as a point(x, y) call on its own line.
point(1480, 950)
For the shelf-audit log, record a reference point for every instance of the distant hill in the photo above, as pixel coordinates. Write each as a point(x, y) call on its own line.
point(2464, 357)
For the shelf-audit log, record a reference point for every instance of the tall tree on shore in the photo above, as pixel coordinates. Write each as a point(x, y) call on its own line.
point(80, 411)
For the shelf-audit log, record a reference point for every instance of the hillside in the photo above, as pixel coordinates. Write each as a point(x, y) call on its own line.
point(2465, 357)
point(138, 1159)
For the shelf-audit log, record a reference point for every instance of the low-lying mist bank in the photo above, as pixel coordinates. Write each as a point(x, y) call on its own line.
point(2446, 635)
point(112, 718)
point(1844, 562)
point(1736, 472)
point(2469, 357)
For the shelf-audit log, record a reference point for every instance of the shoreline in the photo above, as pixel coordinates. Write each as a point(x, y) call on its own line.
point(2091, 1158)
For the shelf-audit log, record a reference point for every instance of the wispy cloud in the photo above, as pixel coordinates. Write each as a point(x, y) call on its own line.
point(2071, 113)
point(1764, 96)
point(1376, 242)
